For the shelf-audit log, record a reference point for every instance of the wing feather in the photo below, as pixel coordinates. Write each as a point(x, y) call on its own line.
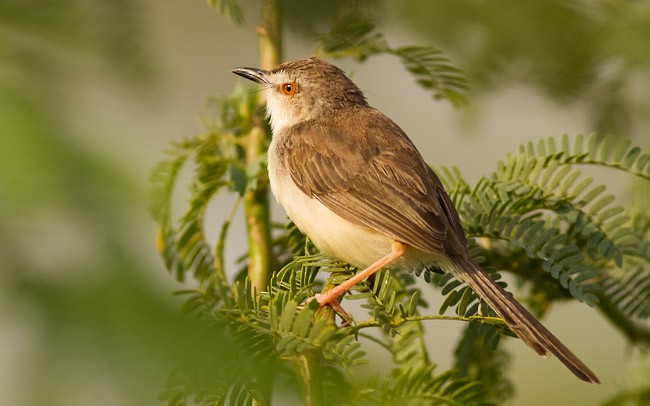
point(372, 175)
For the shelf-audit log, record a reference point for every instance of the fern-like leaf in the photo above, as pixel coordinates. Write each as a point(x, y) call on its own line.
point(420, 386)
point(474, 359)
point(630, 291)
point(229, 8)
point(598, 150)
point(434, 71)
point(353, 35)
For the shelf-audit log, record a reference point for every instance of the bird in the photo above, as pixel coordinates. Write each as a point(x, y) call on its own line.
point(352, 181)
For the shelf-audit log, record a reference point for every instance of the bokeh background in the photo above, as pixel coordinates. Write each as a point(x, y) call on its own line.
point(93, 92)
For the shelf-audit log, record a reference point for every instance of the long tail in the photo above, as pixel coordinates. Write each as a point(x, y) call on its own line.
point(518, 319)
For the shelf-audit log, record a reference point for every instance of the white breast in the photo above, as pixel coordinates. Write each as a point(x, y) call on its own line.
point(359, 246)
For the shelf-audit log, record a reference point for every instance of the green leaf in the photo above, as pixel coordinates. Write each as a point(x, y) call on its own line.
point(231, 9)
point(433, 71)
point(238, 179)
point(352, 35)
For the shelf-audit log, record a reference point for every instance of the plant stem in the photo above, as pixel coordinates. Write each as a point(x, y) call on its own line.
point(256, 201)
point(269, 33)
point(258, 222)
point(491, 321)
point(311, 382)
point(637, 333)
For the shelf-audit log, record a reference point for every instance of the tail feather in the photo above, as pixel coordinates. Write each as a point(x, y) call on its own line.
point(517, 318)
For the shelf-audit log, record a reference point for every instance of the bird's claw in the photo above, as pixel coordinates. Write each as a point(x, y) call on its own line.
point(335, 305)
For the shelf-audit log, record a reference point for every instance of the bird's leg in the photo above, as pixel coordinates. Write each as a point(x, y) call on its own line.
point(338, 309)
point(397, 250)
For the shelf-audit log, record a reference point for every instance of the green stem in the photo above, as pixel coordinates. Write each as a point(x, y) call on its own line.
point(258, 221)
point(327, 312)
point(311, 382)
point(269, 32)
point(492, 321)
point(256, 201)
point(411, 336)
point(637, 333)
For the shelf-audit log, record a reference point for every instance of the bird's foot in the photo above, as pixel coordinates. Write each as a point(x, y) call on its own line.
point(326, 300)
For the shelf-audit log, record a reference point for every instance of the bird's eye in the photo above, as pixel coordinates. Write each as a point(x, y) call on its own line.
point(289, 88)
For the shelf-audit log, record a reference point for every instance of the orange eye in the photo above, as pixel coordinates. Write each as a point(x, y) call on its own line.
point(289, 88)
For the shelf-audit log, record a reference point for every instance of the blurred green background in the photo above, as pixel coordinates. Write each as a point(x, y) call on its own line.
point(92, 92)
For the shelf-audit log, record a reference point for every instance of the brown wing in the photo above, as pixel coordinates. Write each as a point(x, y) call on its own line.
point(374, 178)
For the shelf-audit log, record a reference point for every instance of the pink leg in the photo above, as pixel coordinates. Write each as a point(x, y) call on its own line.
point(397, 250)
point(347, 319)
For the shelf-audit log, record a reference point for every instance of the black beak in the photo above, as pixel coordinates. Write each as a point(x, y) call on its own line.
point(256, 75)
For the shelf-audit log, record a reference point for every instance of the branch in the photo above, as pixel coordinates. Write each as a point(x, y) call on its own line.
point(256, 201)
point(637, 333)
point(492, 321)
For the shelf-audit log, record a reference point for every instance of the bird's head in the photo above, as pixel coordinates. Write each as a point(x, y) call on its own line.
point(304, 89)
